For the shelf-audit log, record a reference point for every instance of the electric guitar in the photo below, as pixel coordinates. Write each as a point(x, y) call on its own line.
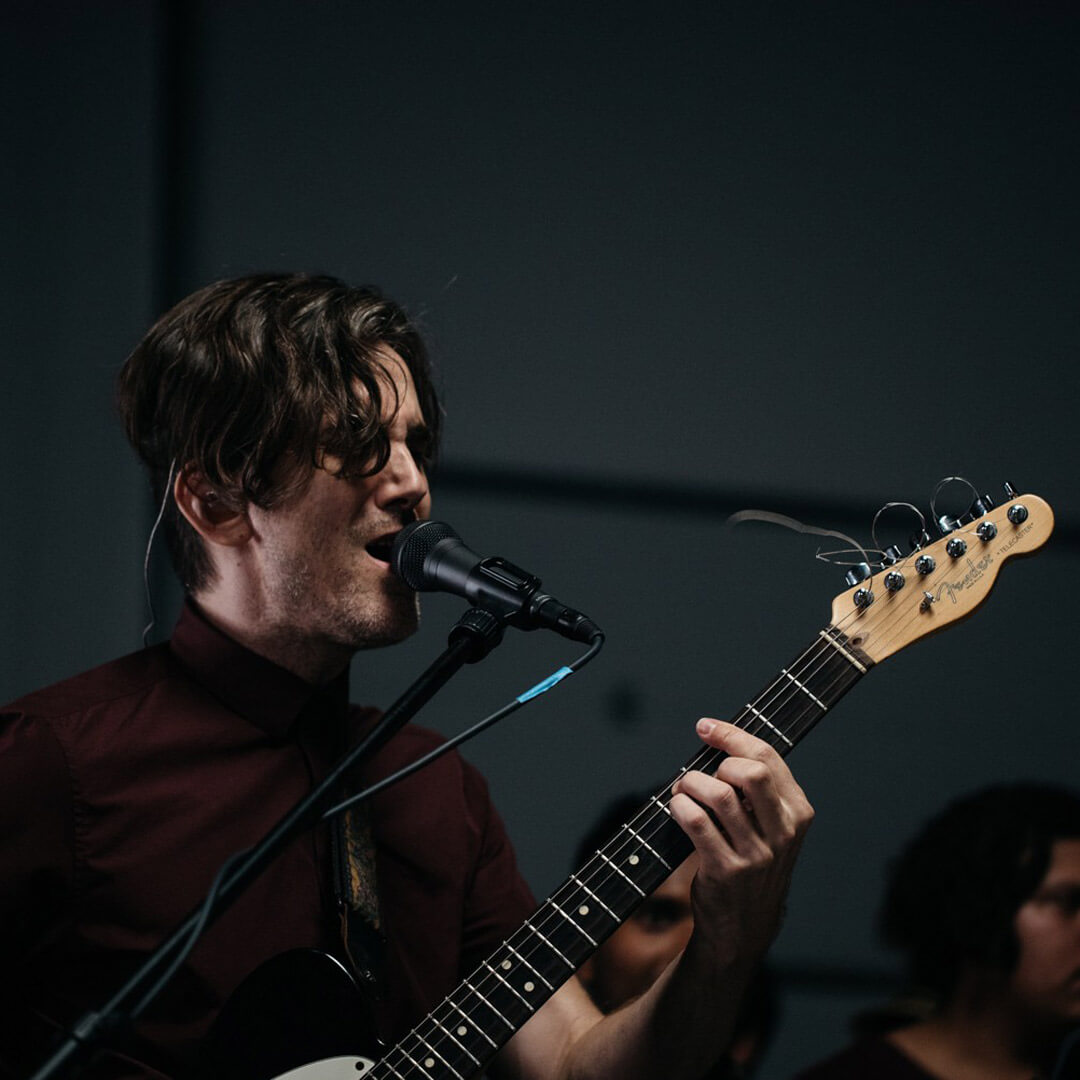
point(908, 599)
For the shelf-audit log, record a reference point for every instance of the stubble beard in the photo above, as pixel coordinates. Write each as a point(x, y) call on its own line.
point(356, 614)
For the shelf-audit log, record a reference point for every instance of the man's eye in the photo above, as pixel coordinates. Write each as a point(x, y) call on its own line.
point(1068, 900)
point(420, 446)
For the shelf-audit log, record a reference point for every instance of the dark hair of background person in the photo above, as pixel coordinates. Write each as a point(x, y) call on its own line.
point(250, 381)
point(955, 889)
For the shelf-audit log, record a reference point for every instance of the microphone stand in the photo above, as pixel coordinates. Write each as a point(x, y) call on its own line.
point(474, 635)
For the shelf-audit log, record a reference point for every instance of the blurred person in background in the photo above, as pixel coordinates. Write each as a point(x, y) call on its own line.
point(985, 905)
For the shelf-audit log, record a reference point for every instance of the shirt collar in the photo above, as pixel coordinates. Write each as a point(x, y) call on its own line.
point(257, 689)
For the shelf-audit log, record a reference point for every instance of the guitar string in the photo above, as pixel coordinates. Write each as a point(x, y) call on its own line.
point(482, 978)
point(823, 649)
point(794, 732)
point(624, 838)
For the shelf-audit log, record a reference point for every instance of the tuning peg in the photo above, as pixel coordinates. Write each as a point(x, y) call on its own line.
point(859, 572)
point(894, 581)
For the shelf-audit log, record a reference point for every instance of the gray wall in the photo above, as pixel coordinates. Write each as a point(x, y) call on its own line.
point(673, 262)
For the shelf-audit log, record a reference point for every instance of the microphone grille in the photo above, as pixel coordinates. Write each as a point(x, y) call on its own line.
point(411, 548)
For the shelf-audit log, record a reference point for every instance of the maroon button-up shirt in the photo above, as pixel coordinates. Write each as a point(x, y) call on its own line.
point(123, 790)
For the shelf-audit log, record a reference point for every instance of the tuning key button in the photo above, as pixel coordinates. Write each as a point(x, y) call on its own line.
point(981, 507)
point(1010, 491)
point(891, 555)
point(925, 564)
point(863, 598)
point(947, 524)
point(956, 547)
point(986, 531)
point(1018, 513)
point(894, 581)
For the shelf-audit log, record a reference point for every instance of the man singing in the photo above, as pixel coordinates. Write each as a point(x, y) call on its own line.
point(287, 422)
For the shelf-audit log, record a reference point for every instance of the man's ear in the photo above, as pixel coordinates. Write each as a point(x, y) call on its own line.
point(215, 518)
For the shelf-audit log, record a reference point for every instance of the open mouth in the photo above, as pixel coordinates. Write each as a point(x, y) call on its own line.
point(381, 547)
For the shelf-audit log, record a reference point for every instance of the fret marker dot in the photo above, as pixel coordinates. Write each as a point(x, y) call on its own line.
point(429, 1063)
point(633, 860)
point(505, 965)
point(583, 910)
point(463, 1030)
point(530, 987)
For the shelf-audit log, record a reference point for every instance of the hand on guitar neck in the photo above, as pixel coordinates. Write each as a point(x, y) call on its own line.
point(746, 818)
point(746, 822)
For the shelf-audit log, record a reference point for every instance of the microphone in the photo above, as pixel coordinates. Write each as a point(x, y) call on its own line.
point(430, 557)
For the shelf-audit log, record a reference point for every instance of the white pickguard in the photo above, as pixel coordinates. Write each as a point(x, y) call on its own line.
point(338, 1068)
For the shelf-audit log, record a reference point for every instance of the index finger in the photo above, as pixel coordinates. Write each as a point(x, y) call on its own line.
point(737, 742)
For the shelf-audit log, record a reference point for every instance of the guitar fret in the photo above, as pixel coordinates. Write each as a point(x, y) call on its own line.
point(450, 1035)
point(429, 1062)
point(509, 986)
point(525, 963)
point(598, 897)
point(386, 1062)
point(578, 881)
point(628, 880)
point(823, 708)
point(645, 843)
point(470, 1022)
point(416, 1064)
point(769, 724)
point(490, 1006)
point(558, 953)
point(588, 937)
point(843, 652)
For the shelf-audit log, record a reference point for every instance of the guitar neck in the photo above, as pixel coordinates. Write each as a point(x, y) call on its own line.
point(456, 1039)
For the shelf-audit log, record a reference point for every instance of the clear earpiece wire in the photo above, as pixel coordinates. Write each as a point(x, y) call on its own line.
point(148, 629)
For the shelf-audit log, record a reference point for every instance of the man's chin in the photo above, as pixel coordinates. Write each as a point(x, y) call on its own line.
point(393, 628)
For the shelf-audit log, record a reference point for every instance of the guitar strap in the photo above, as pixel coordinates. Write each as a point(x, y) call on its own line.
point(357, 895)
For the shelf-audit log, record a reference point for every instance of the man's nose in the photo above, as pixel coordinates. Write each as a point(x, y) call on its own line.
point(402, 481)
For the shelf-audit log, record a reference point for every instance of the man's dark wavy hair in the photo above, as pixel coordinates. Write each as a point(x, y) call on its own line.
point(249, 381)
point(954, 891)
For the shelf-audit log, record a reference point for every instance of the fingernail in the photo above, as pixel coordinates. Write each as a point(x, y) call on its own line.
point(705, 726)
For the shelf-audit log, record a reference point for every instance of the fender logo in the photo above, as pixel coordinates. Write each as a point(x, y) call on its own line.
point(975, 572)
point(977, 569)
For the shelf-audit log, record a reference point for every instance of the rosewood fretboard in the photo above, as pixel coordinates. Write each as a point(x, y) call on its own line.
point(455, 1040)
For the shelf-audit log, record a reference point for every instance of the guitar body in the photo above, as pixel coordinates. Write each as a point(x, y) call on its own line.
point(300, 1016)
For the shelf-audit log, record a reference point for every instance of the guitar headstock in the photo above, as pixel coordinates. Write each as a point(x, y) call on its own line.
point(940, 583)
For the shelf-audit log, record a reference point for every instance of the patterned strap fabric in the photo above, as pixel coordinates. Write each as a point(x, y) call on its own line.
point(361, 893)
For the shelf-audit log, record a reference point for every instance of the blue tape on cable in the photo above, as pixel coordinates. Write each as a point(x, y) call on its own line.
point(544, 685)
